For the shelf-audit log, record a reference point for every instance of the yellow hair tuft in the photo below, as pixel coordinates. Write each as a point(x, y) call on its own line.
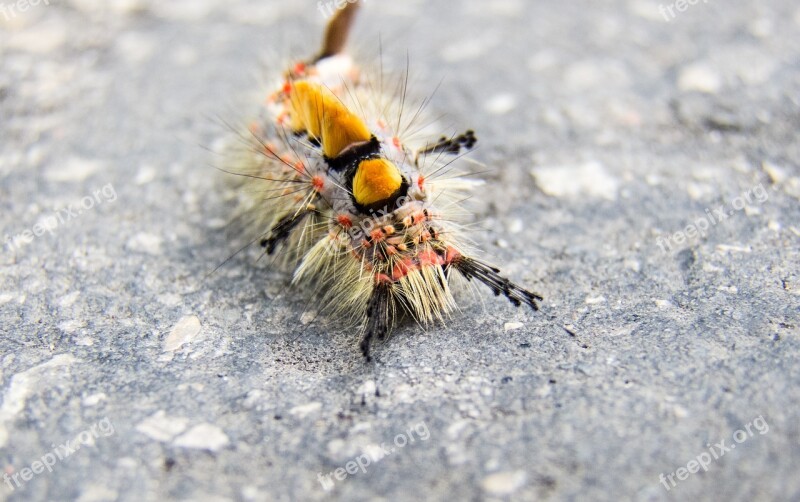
point(375, 180)
point(317, 111)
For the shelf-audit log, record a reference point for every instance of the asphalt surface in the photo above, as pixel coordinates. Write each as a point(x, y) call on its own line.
point(644, 176)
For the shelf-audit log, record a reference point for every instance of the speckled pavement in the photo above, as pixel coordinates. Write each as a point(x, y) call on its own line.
point(644, 176)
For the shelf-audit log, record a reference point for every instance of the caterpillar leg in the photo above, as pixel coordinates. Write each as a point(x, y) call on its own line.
point(490, 276)
point(380, 315)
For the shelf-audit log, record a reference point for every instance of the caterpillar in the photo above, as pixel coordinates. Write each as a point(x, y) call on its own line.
point(338, 185)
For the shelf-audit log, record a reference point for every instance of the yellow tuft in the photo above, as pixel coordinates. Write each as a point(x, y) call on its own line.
point(340, 130)
point(306, 100)
point(427, 294)
point(320, 113)
point(375, 180)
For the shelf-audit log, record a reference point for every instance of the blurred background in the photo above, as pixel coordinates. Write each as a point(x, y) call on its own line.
point(644, 175)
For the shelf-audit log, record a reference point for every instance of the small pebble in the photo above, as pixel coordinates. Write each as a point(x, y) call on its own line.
point(504, 483)
point(184, 331)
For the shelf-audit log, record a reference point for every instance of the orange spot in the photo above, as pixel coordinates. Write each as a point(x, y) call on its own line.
point(388, 230)
point(300, 68)
point(382, 278)
point(421, 182)
point(376, 235)
point(451, 255)
point(287, 87)
point(396, 142)
point(402, 269)
point(344, 221)
point(428, 257)
point(317, 182)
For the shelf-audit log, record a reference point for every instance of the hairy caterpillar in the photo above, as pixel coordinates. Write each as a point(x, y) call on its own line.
point(335, 185)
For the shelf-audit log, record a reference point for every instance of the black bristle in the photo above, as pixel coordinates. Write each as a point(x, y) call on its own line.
point(379, 316)
point(282, 229)
point(452, 145)
point(490, 276)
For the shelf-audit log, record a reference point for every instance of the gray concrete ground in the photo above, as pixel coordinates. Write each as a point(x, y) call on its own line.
point(616, 132)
